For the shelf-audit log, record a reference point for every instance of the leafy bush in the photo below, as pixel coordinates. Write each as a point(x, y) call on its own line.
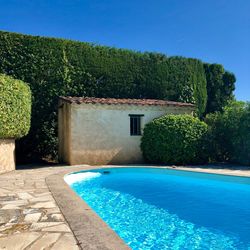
point(230, 134)
point(15, 107)
point(175, 139)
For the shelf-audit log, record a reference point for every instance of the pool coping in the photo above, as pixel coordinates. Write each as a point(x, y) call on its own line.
point(89, 229)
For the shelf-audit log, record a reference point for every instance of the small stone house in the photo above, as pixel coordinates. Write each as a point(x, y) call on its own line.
point(107, 130)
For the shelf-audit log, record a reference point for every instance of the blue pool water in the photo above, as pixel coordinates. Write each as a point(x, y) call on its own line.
point(152, 208)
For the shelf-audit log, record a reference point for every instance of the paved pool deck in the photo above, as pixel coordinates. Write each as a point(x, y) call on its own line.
point(39, 211)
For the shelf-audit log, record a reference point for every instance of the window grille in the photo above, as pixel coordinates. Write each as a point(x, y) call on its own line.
point(135, 124)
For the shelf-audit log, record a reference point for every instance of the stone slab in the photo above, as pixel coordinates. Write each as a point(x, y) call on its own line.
point(49, 204)
point(45, 242)
point(41, 225)
point(18, 241)
point(58, 228)
point(32, 217)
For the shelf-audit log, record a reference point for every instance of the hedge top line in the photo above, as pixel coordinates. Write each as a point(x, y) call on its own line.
point(96, 45)
point(117, 101)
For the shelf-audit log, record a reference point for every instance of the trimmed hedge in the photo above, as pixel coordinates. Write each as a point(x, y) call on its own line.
point(230, 134)
point(15, 107)
point(175, 139)
point(57, 67)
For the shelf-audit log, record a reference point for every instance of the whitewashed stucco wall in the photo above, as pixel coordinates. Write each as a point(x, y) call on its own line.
point(100, 133)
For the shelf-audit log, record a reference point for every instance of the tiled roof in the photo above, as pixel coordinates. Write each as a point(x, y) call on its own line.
point(114, 101)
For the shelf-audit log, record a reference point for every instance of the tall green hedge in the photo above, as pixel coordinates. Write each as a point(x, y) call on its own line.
point(57, 67)
point(15, 107)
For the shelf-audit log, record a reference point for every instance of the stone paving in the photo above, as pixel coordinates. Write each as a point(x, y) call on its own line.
point(29, 217)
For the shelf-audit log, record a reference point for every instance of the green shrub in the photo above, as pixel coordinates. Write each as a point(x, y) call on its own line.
point(230, 134)
point(174, 139)
point(15, 107)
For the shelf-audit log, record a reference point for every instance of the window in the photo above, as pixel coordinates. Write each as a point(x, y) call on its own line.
point(135, 124)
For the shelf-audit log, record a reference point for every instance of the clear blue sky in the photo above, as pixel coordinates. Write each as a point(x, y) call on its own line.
point(215, 31)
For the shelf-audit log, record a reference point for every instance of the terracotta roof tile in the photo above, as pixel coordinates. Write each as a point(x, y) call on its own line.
point(114, 101)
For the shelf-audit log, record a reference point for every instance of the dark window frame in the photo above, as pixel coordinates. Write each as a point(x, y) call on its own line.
point(135, 124)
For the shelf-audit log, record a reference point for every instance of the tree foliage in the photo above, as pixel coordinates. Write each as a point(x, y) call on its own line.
point(15, 108)
point(175, 139)
point(220, 87)
point(230, 133)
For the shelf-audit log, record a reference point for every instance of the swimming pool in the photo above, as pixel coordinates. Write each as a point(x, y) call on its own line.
point(155, 208)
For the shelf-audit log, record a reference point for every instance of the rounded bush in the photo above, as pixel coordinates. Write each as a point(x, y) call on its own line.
point(15, 107)
point(175, 139)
